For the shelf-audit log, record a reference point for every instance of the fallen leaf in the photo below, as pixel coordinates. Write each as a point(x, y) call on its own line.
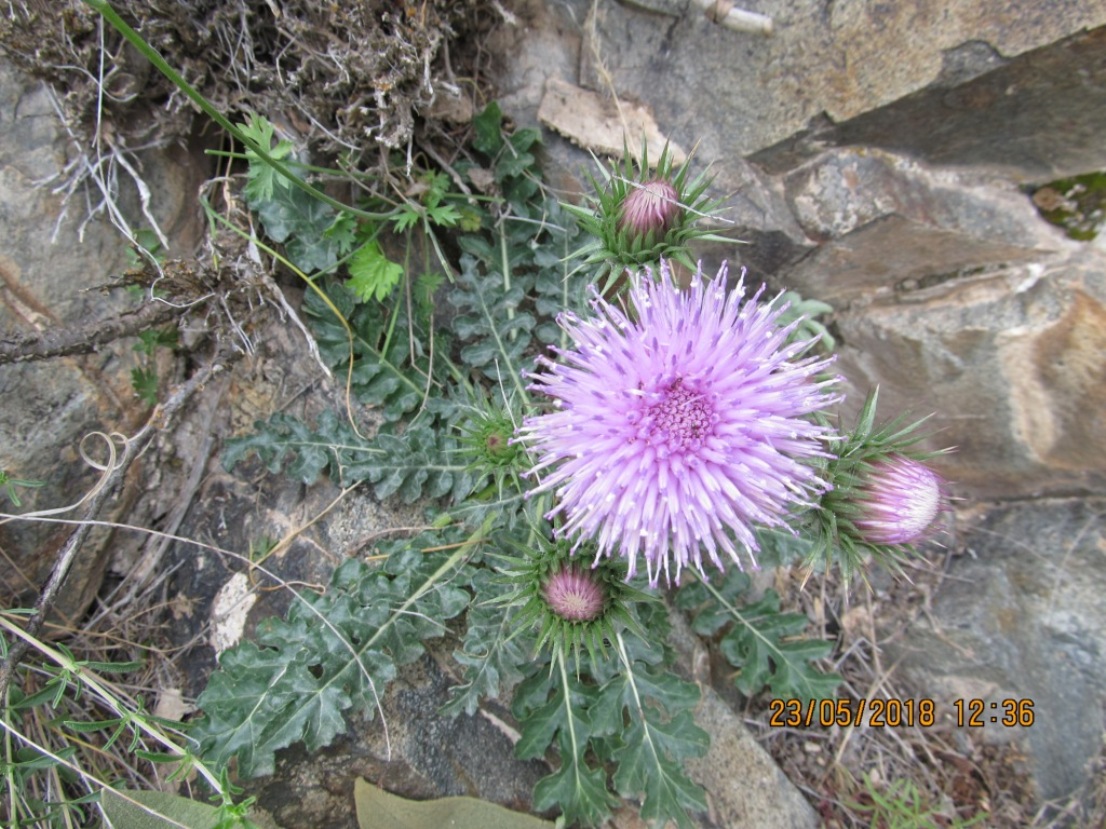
point(598, 125)
point(377, 809)
point(139, 809)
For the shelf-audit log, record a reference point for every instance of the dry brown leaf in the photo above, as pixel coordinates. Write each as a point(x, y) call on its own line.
point(599, 125)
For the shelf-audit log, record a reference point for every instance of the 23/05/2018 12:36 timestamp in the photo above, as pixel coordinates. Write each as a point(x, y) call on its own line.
point(895, 713)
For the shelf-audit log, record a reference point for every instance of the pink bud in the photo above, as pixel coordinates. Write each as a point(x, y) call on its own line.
point(899, 501)
point(574, 594)
point(652, 206)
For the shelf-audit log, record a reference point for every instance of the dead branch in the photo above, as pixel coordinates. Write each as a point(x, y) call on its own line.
point(87, 338)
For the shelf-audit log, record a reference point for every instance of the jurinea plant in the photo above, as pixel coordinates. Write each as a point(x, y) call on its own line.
point(683, 426)
point(650, 208)
point(568, 602)
point(899, 501)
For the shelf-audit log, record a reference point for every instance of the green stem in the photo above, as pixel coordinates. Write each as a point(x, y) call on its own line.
point(639, 708)
point(91, 680)
point(504, 265)
point(135, 39)
point(570, 720)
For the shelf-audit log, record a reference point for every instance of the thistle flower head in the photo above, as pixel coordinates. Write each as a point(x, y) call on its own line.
point(568, 603)
point(487, 445)
point(650, 209)
point(680, 425)
point(486, 439)
point(884, 498)
point(899, 501)
point(639, 217)
point(574, 594)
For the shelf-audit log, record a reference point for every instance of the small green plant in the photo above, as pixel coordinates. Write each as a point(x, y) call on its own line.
point(900, 805)
point(11, 486)
point(67, 725)
point(1077, 205)
point(144, 378)
point(148, 243)
point(804, 313)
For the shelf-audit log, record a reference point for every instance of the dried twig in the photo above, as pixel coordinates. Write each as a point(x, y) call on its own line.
point(724, 13)
point(85, 339)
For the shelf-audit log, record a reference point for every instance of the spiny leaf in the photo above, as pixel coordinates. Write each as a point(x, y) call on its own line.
point(576, 788)
point(285, 443)
point(300, 221)
point(653, 745)
point(767, 645)
point(494, 659)
point(551, 706)
point(411, 466)
point(762, 644)
point(492, 326)
point(332, 654)
point(648, 765)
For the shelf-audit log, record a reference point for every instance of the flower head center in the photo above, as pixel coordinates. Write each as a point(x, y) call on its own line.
point(575, 595)
point(680, 419)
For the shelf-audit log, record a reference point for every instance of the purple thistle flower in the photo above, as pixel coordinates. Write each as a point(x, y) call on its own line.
point(899, 501)
point(680, 426)
point(650, 207)
point(574, 595)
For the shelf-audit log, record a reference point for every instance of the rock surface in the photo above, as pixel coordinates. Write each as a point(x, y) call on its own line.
point(54, 259)
point(1011, 363)
point(1036, 117)
point(1022, 618)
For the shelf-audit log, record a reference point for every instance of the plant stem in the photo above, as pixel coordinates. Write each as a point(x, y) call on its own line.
point(152, 55)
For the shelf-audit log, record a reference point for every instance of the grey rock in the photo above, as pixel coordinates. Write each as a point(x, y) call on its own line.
point(1021, 617)
point(885, 222)
point(738, 94)
point(49, 408)
point(1011, 364)
point(1035, 117)
point(53, 260)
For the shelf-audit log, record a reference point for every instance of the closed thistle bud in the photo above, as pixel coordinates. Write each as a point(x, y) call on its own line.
point(883, 499)
point(899, 501)
point(641, 214)
point(574, 594)
point(650, 208)
point(486, 440)
point(569, 605)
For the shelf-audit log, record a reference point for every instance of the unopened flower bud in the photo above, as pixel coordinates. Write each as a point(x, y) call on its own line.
point(899, 501)
point(650, 207)
point(574, 594)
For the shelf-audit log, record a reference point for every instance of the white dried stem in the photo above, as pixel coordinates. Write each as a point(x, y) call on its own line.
point(724, 13)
